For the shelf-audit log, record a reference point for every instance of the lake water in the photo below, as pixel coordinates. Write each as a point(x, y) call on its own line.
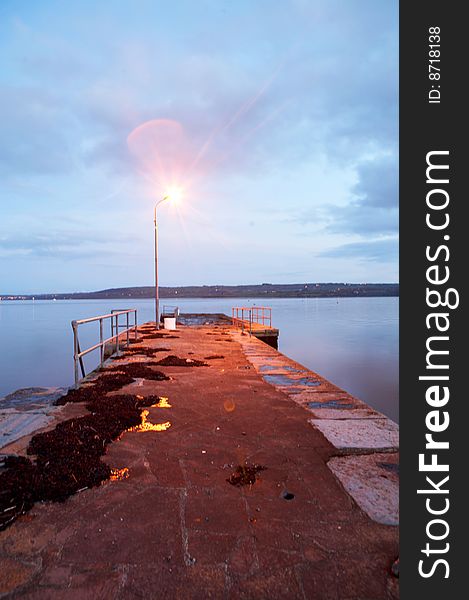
point(353, 342)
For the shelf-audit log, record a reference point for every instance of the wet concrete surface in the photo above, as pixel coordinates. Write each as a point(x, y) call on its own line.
point(176, 528)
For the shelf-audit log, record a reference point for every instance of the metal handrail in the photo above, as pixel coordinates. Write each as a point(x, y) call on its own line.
point(170, 310)
point(255, 314)
point(113, 316)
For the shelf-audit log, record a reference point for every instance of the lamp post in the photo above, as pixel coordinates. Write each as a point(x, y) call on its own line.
point(157, 297)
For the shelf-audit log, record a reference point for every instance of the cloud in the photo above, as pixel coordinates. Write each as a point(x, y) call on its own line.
point(64, 244)
point(378, 183)
point(32, 132)
point(373, 208)
point(370, 207)
point(329, 88)
point(384, 250)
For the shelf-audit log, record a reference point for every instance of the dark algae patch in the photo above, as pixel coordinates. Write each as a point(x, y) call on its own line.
point(17, 488)
point(68, 459)
point(143, 350)
point(156, 336)
point(96, 389)
point(175, 361)
point(140, 370)
point(245, 475)
point(213, 357)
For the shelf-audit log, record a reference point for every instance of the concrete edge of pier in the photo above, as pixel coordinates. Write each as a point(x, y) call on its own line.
point(367, 442)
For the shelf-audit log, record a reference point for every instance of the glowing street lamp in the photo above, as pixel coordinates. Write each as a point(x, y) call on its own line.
point(173, 196)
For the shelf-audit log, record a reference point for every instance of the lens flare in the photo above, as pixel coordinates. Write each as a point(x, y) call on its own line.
point(174, 194)
point(162, 153)
point(229, 405)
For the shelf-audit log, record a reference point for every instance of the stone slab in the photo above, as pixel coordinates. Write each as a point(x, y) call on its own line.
point(359, 434)
point(373, 482)
point(14, 425)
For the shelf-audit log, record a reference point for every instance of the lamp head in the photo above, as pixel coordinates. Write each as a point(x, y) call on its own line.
point(173, 195)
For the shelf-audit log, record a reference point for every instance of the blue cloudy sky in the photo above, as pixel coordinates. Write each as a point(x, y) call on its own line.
point(277, 119)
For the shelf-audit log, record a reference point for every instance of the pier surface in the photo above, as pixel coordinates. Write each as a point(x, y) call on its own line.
point(319, 522)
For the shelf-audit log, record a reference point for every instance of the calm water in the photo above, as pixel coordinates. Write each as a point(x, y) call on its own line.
point(353, 342)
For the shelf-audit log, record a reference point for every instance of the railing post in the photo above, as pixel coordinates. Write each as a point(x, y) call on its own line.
point(117, 334)
point(250, 321)
point(127, 327)
point(75, 351)
point(135, 324)
point(101, 345)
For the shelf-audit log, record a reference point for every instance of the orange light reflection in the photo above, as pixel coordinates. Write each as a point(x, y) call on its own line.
point(119, 474)
point(162, 403)
point(145, 425)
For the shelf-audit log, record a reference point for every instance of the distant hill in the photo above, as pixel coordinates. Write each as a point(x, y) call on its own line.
point(265, 290)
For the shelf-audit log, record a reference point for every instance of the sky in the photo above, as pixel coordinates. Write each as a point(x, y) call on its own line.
point(277, 121)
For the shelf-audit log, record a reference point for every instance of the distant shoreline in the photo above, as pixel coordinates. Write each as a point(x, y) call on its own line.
point(265, 290)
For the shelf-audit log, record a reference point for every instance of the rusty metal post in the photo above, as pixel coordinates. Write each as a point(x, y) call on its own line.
point(117, 334)
point(127, 328)
point(157, 296)
point(101, 345)
point(75, 351)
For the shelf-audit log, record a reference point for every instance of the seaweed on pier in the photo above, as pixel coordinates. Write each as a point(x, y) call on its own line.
point(154, 336)
point(213, 357)
point(175, 361)
point(245, 475)
point(97, 388)
point(68, 458)
point(137, 370)
point(140, 350)
point(17, 488)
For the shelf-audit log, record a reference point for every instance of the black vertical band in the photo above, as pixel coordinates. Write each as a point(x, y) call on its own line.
point(433, 271)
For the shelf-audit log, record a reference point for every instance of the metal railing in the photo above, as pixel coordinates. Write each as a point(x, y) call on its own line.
point(113, 317)
point(170, 311)
point(243, 315)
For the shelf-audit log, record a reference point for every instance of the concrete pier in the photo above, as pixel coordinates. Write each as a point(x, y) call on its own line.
point(318, 522)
